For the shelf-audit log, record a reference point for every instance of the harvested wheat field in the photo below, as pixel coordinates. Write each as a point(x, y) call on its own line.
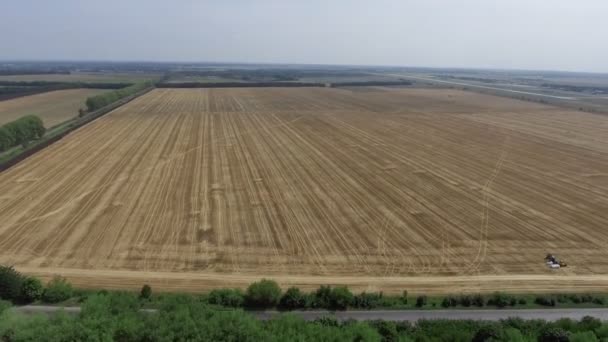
point(427, 190)
point(53, 107)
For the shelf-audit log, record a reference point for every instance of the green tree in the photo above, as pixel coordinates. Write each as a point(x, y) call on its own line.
point(420, 301)
point(227, 297)
point(263, 294)
point(146, 292)
point(7, 139)
point(499, 299)
point(386, 329)
point(292, 299)
point(322, 297)
point(4, 304)
point(489, 332)
point(31, 289)
point(57, 290)
point(341, 298)
point(554, 334)
point(10, 283)
point(367, 300)
point(512, 335)
point(584, 336)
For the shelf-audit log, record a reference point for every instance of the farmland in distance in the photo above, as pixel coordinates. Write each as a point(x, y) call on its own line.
point(53, 107)
point(429, 190)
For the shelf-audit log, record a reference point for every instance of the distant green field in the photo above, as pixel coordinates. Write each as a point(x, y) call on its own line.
point(84, 77)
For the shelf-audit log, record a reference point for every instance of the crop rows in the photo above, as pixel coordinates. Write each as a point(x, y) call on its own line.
point(375, 188)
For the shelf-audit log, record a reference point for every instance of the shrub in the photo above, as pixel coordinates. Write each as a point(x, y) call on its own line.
point(367, 300)
point(487, 333)
point(589, 323)
point(10, 283)
point(420, 301)
point(404, 297)
point(562, 298)
point(586, 336)
point(500, 300)
point(57, 290)
point(449, 301)
point(466, 300)
point(233, 298)
point(522, 301)
point(602, 331)
point(512, 335)
point(587, 298)
point(7, 139)
point(292, 299)
point(478, 300)
point(387, 329)
point(552, 334)
point(576, 299)
point(327, 321)
point(4, 304)
point(31, 290)
point(341, 298)
point(322, 297)
point(263, 294)
point(146, 292)
point(545, 301)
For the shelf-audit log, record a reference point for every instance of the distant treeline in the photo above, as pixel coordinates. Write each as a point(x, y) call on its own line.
point(467, 78)
point(575, 88)
point(266, 75)
point(99, 101)
point(21, 131)
point(238, 84)
point(66, 85)
point(372, 83)
point(9, 72)
point(14, 89)
point(280, 84)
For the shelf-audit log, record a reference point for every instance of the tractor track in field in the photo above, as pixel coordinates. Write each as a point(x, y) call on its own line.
point(321, 184)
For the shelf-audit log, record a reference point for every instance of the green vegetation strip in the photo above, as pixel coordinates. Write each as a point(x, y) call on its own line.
point(97, 102)
point(20, 132)
point(218, 316)
point(179, 317)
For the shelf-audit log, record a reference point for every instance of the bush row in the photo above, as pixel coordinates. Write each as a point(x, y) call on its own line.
point(117, 317)
point(21, 131)
point(268, 294)
point(21, 289)
point(102, 100)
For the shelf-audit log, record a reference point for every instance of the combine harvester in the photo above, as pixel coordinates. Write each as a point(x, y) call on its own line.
point(553, 262)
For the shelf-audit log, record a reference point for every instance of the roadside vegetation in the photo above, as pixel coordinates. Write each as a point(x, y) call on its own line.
point(21, 132)
point(267, 294)
point(99, 101)
point(219, 316)
point(119, 316)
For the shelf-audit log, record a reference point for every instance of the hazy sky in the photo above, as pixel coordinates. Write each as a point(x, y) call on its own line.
point(522, 34)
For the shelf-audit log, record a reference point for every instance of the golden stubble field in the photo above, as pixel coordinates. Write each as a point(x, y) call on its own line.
point(380, 189)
